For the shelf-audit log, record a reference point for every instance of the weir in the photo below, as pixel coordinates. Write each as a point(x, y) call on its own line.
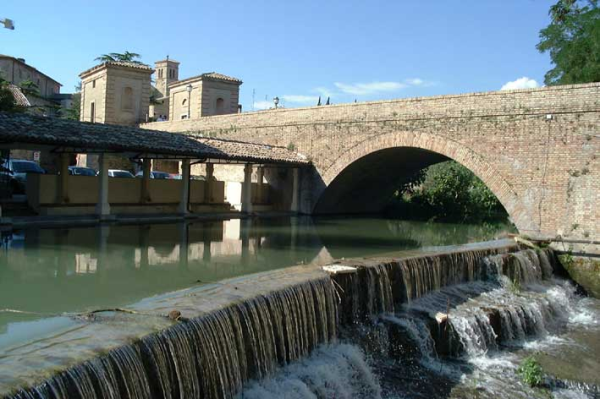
point(244, 330)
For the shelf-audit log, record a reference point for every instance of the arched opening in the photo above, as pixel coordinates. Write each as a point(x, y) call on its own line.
point(367, 184)
point(362, 177)
point(220, 106)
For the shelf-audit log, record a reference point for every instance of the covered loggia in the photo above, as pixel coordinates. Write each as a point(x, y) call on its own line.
point(76, 195)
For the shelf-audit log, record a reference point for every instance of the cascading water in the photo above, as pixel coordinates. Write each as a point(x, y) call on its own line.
point(448, 325)
point(211, 356)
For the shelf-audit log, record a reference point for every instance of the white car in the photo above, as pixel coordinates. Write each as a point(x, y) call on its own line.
point(120, 173)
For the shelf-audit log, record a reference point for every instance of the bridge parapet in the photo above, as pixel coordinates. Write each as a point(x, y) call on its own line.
point(538, 149)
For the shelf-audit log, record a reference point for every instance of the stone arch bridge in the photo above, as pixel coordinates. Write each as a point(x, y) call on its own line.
point(538, 150)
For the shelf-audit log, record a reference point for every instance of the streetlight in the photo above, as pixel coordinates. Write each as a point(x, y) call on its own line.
point(8, 23)
point(276, 101)
point(189, 90)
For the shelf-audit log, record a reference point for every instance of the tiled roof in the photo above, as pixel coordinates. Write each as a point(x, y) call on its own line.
point(207, 75)
point(96, 137)
point(134, 65)
point(220, 76)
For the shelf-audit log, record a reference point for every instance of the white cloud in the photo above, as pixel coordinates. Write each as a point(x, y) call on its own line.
point(415, 82)
point(521, 83)
point(363, 89)
point(259, 105)
point(299, 99)
point(324, 92)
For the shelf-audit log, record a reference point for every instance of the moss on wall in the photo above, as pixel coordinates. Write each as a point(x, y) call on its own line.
point(584, 271)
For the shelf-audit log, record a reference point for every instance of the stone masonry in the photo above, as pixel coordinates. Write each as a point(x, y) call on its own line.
point(538, 149)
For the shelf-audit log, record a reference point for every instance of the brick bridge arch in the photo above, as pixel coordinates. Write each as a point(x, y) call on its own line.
point(536, 149)
point(447, 149)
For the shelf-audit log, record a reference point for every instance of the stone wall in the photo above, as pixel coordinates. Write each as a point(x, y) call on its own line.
point(536, 149)
point(16, 72)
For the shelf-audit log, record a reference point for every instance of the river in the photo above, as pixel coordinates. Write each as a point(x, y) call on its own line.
point(495, 322)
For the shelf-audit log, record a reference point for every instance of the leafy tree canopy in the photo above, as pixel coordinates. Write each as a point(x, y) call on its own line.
point(573, 41)
point(29, 88)
point(447, 192)
point(122, 57)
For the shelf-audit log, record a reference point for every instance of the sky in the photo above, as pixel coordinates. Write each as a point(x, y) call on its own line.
point(296, 50)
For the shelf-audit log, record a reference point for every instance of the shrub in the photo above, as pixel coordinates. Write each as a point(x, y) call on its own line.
point(531, 372)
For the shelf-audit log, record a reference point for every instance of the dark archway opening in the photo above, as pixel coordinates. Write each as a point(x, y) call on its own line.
point(366, 185)
point(374, 184)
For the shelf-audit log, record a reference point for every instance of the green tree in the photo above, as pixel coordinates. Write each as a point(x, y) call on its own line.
point(573, 41)
point(29, 88)
point(122, 57)
point(446, 191)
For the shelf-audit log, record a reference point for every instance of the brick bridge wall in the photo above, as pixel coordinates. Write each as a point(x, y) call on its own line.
point(536, 149)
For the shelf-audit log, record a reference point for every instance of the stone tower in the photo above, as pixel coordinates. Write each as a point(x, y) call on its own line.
point(167, 72)
point(116, 93)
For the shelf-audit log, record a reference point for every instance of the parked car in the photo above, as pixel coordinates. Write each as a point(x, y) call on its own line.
point(81, 171)
point(120, 173)
point(155, 174)
point(17, 170)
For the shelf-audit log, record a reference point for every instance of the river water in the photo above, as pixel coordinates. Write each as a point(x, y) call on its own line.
point(516, 309)
point(502, 308)
point(53, 271)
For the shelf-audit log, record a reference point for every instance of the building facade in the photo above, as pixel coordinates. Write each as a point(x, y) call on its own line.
point(16, 70)
point(116, 93)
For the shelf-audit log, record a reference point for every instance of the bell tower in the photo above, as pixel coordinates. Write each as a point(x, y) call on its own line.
point(167, 72)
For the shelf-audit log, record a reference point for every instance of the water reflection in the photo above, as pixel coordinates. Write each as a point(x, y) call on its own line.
point(53, 271)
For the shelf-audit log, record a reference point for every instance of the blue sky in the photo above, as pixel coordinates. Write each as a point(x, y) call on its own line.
point(364, 50)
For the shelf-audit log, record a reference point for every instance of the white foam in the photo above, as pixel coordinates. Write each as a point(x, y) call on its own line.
point(337, 371)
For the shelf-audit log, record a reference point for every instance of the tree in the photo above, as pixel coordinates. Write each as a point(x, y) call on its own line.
point(120, 57)
point(29, 88)
point(447, 192)
point(73, 112)
point(573, 41)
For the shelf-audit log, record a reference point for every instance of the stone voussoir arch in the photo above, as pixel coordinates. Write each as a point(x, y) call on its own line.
point(454, 150)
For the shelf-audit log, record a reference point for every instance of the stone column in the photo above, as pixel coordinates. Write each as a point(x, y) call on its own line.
point(102, 207)
point(146, 169)
point(247, 191)
point(261, 175)
point(208, 184)
point(295, 206)
point(62, 187)
point(185, 187)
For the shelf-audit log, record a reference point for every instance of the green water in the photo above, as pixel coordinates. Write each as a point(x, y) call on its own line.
point(53, 271)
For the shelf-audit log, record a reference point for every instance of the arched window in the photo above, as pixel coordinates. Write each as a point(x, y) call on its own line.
point(220, 106)
point(127, 101)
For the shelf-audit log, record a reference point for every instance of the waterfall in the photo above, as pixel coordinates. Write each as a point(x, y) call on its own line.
point(211, 356)
point(295, 342)
point(338, 371)
point(523, 267)
point(377, 288)
point(485, 315)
